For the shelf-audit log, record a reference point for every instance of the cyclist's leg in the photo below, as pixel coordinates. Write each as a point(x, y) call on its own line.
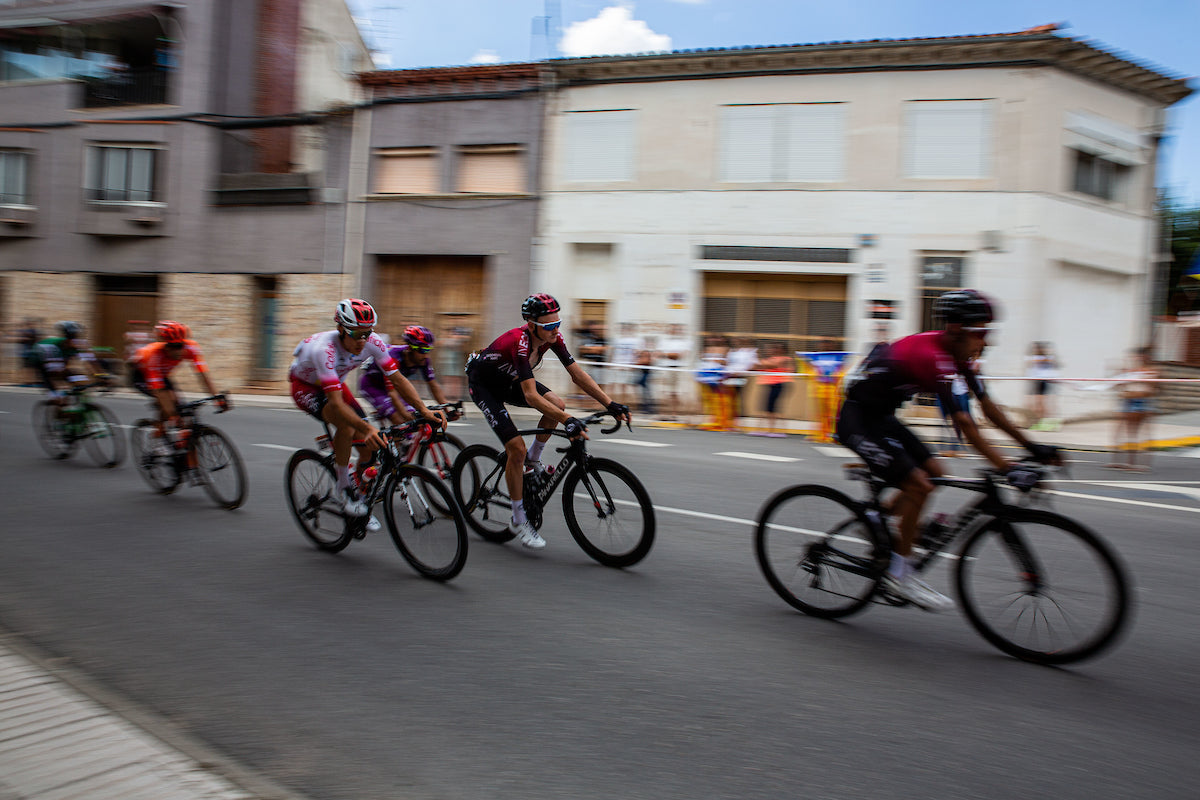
point(539, 441)
point(491, 404)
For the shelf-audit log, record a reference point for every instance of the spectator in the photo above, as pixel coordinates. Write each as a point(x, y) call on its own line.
point(739, 364)
point(675, 354)
point(1137, 405)
point(711, 372)
point(625, 351)
point(593, 348)
point(644, 358)
point(1042, 369)
point(776, 361)
point(26, 340)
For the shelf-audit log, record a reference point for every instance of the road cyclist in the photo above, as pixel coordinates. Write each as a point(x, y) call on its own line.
point(152, 366)
point(502, 374)
point(320, 364)
point(867, 424)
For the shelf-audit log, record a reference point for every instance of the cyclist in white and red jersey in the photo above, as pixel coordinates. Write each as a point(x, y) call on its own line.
point(503, 373)
point(867, 423)
point(319, 365)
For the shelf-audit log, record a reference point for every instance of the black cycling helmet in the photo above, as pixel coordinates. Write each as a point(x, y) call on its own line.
point(538, 305)
point(966, 306)
point(70, 330)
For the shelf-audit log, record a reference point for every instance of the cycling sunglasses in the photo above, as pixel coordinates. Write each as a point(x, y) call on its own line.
point(360, 335)
point(549, 327)
point(417, 349)
point(978, 333)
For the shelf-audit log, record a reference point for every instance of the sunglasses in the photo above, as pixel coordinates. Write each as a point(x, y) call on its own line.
point(416, 349)
point(359, 335)
point(978, 333)
point(549, 327)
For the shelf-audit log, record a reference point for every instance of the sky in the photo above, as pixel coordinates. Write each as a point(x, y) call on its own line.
point(1159, 34)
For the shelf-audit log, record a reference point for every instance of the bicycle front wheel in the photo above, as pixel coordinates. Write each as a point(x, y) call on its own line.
point(818, 551)
point(438, 457)
point(608, 512)
point(157, 470)
point(1042, 587)
point(477, 480)
point(425, 522)
point(311, 486)
point(221, 470)
point(51, 430)
point(100, 436)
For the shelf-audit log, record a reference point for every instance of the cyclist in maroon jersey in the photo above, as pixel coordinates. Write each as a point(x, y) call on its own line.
point(867, 423)
point(502, 373)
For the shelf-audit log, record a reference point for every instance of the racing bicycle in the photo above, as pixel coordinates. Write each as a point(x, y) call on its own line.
point(424, 522)
point(607, 509)
point(1033, 583)
point(431, 447)
point(195, 452)
point(61, 427)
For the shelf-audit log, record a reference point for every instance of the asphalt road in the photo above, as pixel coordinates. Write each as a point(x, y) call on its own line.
point(547, 676)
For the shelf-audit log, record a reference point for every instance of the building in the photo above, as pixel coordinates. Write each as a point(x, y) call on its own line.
point(785, 192)
point(174, 160)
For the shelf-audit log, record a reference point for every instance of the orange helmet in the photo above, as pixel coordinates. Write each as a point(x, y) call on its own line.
point(171, 332)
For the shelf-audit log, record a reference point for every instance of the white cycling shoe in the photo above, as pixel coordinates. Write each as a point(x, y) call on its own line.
point(352, 504)
point(526, 535)
point(917, 592)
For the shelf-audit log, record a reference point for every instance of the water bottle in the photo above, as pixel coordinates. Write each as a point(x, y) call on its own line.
point(369, 474)
point(937, 532)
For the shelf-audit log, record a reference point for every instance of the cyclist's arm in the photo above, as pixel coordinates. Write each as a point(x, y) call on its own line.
point(972, 434)
point(409, 393)
point(343, 416)
point(435, 389)
point(585, 382)
point(539, 403)
point(1001, 421)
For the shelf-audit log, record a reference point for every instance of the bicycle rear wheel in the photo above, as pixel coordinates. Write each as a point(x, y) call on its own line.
point(608, 512)
point(101, 438)
point(311, 486)
point(158, 471)
point(425, 523)
point(51, 430)
point(818, 551)
point(220, 467)
point(1042, 587)
point(477, 480)
point(438, 457)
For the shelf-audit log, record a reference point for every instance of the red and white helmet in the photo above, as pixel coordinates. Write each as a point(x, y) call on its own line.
point(171, 332)
point(419, 336)
point(354, 313)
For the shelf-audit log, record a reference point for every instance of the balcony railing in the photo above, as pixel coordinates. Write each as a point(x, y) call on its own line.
point(132, 88)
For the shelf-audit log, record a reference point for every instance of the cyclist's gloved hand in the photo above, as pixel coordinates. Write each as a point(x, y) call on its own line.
point(1044, 453)
point(1022, 478)
point(574, 427)
point(223, 404)
point(618, 410)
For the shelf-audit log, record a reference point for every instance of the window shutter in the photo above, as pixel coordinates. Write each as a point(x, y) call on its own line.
point(948, 139)
point(814, 142)
point(408, 170)
point(747, 144)
point(599, 146)
point(497, 169)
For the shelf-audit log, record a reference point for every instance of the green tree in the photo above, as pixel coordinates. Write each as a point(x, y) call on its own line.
point(1181, 229)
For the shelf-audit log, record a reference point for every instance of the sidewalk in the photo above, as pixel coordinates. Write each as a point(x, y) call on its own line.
point(62, 737)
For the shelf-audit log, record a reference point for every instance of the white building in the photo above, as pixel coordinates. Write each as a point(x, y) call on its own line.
point(777, 192)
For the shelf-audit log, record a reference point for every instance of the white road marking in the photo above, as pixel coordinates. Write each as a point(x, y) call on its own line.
point(836, 452)
point(756, 456)
point(278, 446)
point(1124, 501)
point(633, 442)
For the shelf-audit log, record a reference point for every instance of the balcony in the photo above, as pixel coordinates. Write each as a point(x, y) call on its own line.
point(130, 88)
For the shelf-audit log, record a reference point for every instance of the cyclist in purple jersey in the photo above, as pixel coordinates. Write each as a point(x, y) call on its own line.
point(867, 423)
point(413, 358)
point(502, 373)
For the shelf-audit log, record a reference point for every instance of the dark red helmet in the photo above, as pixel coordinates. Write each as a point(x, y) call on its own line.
point(419, 336)
point(354, 313)
point(171, 332)
point(538, 305)
point(966, 306)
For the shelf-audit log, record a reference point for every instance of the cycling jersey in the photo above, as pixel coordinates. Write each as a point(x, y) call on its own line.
point(374, 386)
point(53, 354)
point(512, 357)
point(155, 361)
point(320, 360)
point(917, 363)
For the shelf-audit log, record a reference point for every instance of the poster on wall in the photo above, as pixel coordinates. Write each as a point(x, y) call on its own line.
point(676, 299)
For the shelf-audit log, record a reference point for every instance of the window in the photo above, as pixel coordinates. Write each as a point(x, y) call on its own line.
point(782, 142)
point(14, 178)
point(495, 169)
point(124, 174)
point(948, 139)
point(407, 170)
point(801, 311)
point(1098, 177)
point(599, 146)
point(939, 274)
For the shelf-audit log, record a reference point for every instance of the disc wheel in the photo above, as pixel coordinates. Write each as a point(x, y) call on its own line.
point(220, 467)
point(608, 512)
point(101, 436)
point(51, 430)
point(1042, 587)
point(157, 470)
point(425, 523)
point(478, 483)
point(311, 486)
point(818, 552)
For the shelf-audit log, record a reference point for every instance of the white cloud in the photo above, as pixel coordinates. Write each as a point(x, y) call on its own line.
point(613, 31)
point(485, 57)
